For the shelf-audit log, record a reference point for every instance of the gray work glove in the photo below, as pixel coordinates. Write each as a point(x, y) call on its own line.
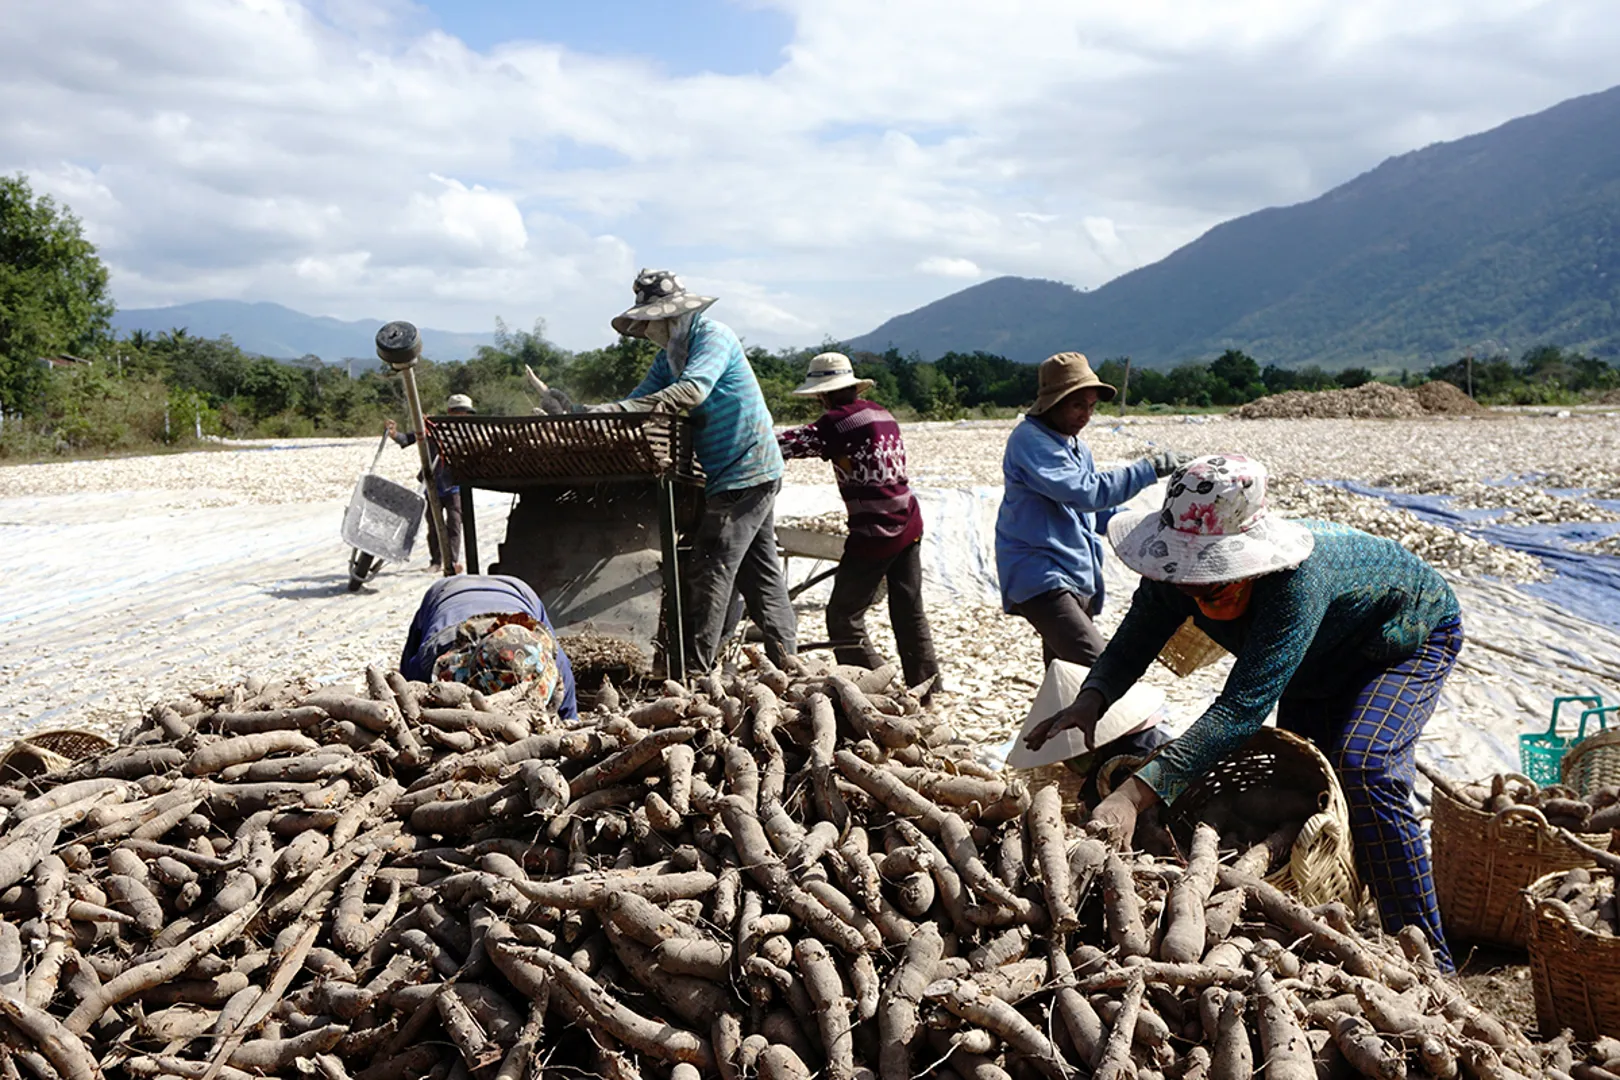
point(1166, 462)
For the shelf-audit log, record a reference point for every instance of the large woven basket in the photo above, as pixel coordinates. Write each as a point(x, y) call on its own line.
point(1189, 649)
point(1322, 865)
point(1575, 972)
point(1483, 862)
point(41, 752)
point(1593, 763)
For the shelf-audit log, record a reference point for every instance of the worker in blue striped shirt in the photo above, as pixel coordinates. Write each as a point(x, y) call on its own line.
point(701, 369)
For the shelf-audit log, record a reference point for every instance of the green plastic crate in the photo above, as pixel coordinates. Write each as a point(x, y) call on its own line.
point(1540, 756)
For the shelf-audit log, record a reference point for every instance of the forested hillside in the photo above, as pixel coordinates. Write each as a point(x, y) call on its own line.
point(1497, 241)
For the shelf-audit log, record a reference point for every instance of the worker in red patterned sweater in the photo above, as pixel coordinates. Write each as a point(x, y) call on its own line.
point(863, 443)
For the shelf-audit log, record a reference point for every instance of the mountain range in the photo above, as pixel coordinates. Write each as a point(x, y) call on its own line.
point(1500, 241)
point(265, 329)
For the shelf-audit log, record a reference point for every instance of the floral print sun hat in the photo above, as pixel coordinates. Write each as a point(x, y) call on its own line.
point(1213, 528)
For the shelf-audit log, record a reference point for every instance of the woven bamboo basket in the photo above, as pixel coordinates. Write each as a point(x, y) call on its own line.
point(1189, 649)
point(1483, 862)
point(43, 752)
point(1593, 763)
point(1322, 865)
point(1574, 972)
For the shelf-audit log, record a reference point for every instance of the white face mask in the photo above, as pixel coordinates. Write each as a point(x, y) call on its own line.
point(658, 332)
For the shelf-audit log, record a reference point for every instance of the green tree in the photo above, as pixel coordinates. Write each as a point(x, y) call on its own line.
point(1236, 378)
point(53, 290)
point(610, 373)
point(1190, 384)
point(1352, 377)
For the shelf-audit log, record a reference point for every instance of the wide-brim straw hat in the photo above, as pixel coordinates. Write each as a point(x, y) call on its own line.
point(458, 401)
point(829, 371)
point(1213, 528)
point(1139, 708)
point(659, 295)
point(1063, 374)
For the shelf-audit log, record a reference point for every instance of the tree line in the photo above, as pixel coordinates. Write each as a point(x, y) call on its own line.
point(174, 387)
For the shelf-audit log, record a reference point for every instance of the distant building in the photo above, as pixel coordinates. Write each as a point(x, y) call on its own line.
point(63, 360)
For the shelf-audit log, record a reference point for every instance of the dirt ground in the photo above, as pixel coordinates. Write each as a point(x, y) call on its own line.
point(1498, 980)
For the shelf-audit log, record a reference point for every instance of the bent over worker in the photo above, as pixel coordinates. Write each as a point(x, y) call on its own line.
point(1048, 551)
point(491, 632)
point(1350, 635)
point(862, 440)
point(701, 369)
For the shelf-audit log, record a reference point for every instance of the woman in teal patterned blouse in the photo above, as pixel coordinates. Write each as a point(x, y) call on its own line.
point(1348, 634)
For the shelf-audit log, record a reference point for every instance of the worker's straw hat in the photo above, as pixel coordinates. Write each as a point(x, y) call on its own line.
point(1063, 374)
point(1214, 527)
point(829, 371)
point(659, 295)
point(458, 401)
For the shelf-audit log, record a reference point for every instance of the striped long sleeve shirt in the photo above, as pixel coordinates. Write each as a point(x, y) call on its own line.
point(732, 433)
point(868, 458)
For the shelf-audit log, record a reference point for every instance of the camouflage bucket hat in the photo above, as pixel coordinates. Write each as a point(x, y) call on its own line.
point(659, 295)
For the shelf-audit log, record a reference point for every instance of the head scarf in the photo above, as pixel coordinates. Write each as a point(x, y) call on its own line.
point(492, 653)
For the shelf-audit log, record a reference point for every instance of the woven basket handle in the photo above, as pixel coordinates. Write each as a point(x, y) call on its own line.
point(1557, 911)
point(1518, 810)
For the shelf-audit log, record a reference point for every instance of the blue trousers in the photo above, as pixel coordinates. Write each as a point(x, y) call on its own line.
point(1370, 735)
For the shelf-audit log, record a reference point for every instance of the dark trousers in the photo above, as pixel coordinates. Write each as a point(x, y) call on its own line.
point(1064, 622)
point(451, 505)
point(855, 588)
point(735, 549)
point(1370, 735)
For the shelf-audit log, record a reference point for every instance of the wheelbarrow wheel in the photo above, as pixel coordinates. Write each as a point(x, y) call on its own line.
point(362, 566)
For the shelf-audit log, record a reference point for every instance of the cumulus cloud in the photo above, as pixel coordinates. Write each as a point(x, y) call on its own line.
point(342, 157)
point(945, 266)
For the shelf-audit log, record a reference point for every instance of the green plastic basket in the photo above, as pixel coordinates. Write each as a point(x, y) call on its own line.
point(1541, 756)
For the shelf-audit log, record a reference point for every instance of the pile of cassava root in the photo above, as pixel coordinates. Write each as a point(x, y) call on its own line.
point(1563, 807)
point(765, 873)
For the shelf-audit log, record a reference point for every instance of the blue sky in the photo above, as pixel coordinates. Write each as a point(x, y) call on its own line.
point(819, 165)
point(716, 36)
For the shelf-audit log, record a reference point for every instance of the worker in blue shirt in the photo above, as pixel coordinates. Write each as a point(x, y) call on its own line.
point(444, 483)
point(701, 369)
point(491, 632)
point(1048, 552)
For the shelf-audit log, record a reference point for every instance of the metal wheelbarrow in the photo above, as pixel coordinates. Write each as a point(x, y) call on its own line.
point(381, 522)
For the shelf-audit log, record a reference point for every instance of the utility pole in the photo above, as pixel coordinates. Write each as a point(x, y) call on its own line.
point(1470, 364)
point(1125, 388)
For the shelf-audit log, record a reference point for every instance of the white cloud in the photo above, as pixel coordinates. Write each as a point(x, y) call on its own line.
point(945, 266)
point(332, 156)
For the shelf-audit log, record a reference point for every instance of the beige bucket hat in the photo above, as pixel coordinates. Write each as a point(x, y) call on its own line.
point(829, 371)
point(1063, 374)
point(659, 295)
point(458, 401)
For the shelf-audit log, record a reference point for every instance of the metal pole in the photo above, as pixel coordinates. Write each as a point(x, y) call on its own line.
point(1470, 374)
point(469, 528)
point(399, 346)
point(1125, 387)
point(674, 608)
